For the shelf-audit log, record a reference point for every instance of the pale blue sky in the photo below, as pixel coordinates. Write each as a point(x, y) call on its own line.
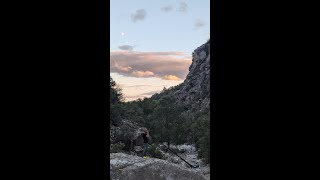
point(159, 31)
point(156, 40)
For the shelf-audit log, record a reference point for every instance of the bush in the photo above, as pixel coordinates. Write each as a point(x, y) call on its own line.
point(116, 110)
point(158, 154)
point(115, 148)
point(203, 143)
point(125, 136)
point(204, 150)
point(154, 152)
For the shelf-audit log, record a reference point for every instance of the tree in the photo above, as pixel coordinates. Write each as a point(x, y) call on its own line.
point(201, 131)
point(116, 95)
point(116, 99)
point(166, 120)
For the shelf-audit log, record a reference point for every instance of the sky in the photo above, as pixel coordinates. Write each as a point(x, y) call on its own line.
point(151, 42)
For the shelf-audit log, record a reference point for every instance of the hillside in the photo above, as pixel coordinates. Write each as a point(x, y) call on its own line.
point(179, 115)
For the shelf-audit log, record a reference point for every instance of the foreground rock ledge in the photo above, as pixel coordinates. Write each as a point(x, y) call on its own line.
point(128, 167)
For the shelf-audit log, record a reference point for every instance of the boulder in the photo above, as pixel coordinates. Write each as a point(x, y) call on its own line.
point(137, 137)
point(128, 167)
point(128, 133)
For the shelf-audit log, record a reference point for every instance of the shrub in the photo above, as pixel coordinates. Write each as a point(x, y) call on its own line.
point(115, 148)
point(154, 152)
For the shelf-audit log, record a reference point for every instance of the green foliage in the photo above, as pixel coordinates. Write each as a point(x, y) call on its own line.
point(116, 95)
point(116, 111)
point(115, 148)
point(125, 137)
point(204, 144)
point(152, 150)
point(116, 102)
point(201, 131)
point(133, 112)
point(166, 120)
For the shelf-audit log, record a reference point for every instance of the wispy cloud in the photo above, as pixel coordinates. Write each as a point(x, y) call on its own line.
point(183, 7)
point(143, 95)
point(198, 24)
point(139, 15)
point(150, 93)
point(126, 47)
point(164, 65)
point(172, 77)
point(143, 73)
point(167, 8)
point(134, 97)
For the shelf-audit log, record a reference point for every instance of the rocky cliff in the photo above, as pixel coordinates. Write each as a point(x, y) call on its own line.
point(195, 90)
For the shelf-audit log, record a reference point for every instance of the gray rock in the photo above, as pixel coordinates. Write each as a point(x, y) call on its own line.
point(128, 167)
point(190, 154)
point(137, 137)
point(196, 86)
point(202, 55)
point(130, 134)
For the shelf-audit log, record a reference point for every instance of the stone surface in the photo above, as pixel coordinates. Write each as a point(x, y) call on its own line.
point(128, 133)
point(190, 154)
point(195, 89)
point(128, 167)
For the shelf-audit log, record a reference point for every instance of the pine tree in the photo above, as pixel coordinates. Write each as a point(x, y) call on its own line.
point(166, 120)
point(116, 99)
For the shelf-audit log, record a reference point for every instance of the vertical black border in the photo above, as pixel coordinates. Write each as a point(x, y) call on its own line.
point(259, 52)
point(60, 49)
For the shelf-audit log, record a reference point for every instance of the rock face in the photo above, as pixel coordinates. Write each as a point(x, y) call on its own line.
point(125, 129)
point(195, 89)
point(190, 154)
point(127, 136)
point(128, 167)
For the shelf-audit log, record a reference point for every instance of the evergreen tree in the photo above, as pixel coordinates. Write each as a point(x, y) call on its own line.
point(116, 99)
point(116, 95)
point(166, 120)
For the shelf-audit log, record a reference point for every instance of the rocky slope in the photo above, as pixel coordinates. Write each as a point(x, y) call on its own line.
point(135, 147)
point(190, 154)
point(127, 167)
point(126, 136)
point(195, 90)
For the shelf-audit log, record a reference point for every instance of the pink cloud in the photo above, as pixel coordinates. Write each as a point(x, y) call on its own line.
point(142, 73)
point(165, 65)
point(128, 68)
point(172, 77)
